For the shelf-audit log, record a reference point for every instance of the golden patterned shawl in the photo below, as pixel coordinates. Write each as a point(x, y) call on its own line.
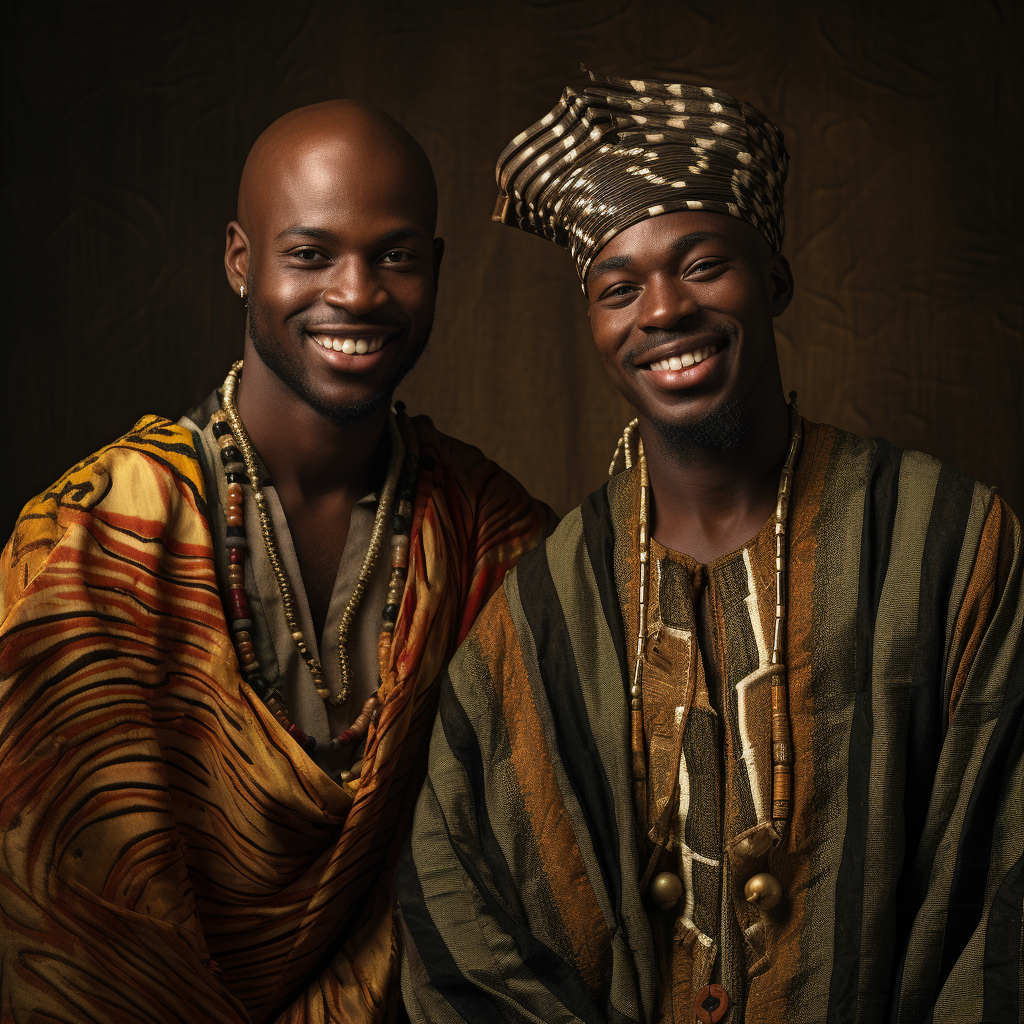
point(168, 852)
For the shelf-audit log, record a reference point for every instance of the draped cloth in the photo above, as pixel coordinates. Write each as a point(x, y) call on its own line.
point(168, 851)
point(902, 867)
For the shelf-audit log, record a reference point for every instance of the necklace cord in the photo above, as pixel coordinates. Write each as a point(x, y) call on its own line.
point(781, 743)
point(270, 542)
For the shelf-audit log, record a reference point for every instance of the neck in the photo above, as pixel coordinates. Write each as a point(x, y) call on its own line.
point(305, 452)
point(707, 503)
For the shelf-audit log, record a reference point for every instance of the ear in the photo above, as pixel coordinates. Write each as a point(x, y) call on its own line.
point(780, 276)
point(236, 256)
point(438, 254)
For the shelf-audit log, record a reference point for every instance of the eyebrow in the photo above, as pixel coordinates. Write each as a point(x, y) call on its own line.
point(322, 234)
point(681, 244)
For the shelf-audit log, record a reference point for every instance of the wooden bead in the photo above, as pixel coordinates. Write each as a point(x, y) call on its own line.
point(666, 887)
point(763, 891)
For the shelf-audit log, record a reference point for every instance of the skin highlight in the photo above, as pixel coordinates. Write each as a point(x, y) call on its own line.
point(334, 241)
point(715, 432)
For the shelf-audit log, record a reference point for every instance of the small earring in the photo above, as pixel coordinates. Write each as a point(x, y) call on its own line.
point(241, 292)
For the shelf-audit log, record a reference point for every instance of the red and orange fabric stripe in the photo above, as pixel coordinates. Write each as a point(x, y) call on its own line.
point(169, 853)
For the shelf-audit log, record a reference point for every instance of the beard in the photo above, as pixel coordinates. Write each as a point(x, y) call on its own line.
point(717, 433)
point(722, 429)
point(281, 361)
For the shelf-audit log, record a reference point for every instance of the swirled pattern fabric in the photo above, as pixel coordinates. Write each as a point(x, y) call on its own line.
point(624, 150)
point(168, 852)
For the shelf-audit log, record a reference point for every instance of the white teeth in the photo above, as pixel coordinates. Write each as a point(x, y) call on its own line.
point(685, 360)
point(351, 346)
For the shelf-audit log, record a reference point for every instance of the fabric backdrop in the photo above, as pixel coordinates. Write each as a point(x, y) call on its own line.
point(126, 126)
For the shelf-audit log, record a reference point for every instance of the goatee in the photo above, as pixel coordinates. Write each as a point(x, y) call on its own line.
point(717, 433)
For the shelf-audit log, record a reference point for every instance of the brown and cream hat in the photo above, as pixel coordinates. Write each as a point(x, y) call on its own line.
point(621, 151)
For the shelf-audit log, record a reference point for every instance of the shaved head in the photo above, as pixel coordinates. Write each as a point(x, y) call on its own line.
point(335, 131)
point(334, 250)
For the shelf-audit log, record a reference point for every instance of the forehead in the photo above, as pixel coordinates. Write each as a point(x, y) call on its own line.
point(663, 236)
point(342, 188)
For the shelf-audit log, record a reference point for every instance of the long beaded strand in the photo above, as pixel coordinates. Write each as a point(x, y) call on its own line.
point(782, 765)
point(241, 469)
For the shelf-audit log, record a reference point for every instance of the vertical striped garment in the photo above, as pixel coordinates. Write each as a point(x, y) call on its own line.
point(168, 853)
point(901, 870)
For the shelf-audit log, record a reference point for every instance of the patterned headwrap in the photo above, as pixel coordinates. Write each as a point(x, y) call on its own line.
point(622, 151)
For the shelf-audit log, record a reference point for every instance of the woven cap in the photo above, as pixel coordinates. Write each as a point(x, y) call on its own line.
point(621, 151)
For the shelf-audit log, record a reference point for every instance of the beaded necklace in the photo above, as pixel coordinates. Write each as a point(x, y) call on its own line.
point(782, 758)
point(240, 468)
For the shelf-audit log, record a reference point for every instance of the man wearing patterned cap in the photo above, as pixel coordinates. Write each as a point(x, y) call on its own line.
point(742, 741)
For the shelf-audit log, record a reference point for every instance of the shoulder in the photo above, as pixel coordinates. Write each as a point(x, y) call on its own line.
point(911, 482)
point(467, 475)
point(141, 476)
point(445, 451)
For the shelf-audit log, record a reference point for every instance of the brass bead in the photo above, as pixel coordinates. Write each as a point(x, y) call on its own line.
point(666, 887)
point(323, 693)
point(763, 891)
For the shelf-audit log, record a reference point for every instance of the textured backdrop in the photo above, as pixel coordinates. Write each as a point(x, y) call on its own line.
point(126, 126)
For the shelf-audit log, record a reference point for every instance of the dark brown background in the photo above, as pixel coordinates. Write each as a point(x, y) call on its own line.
point(126, 126)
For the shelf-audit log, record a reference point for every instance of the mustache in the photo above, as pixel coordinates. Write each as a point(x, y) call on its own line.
point(340, 320)
point(702, 325)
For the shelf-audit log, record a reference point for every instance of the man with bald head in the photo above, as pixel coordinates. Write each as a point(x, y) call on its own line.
point(221, 638)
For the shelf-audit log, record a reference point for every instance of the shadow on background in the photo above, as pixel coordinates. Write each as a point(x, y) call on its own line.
point(126, 127)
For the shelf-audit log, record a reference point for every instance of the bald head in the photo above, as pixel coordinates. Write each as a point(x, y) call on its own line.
point(335, 255)
point(333, 145)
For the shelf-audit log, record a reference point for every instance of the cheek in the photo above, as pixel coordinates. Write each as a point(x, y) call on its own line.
point(285, 291)
point(414, 295)
point(610, 329)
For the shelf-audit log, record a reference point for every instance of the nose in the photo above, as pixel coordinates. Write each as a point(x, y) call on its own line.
point(664, 302)
point(355, 287)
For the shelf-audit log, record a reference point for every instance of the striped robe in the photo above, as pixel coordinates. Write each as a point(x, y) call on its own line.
point(168, 851)
point(902, 867)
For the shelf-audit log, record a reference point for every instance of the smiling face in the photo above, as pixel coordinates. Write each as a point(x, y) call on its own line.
point(335, 247)
point(681, 307)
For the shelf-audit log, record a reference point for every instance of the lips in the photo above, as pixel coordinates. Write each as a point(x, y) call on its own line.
point(684, 363)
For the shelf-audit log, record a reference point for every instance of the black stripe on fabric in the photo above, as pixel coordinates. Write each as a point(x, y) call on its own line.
point(462, 742)
point(974, 852)
point(576, 744)
point(558, 977)
point(1001, 965)
point(880, 499)
point(469, 1002)
point(599, 537)
point(927, 717)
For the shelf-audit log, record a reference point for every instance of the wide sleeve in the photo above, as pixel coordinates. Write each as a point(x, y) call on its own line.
point(964, 959)
point(500, 920)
